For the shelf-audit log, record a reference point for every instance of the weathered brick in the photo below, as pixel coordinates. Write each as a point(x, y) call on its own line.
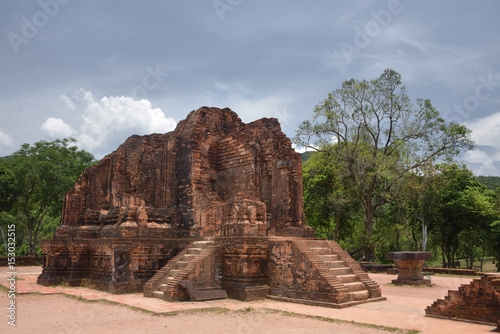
point(477, 301)
point(133, 220)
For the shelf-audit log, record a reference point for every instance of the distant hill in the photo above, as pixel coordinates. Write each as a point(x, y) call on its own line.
point(491, 182)
point(307, 155)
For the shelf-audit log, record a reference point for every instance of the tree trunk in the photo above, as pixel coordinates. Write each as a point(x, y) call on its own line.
point(483, 253)
point(453, 258)
point(337, 225)
point(35, 234)
point(424, 236)
point(369, 248)
point(4, 239)
point(414, 239)
point(397, 237)
point(442, 252)
point(30, 237)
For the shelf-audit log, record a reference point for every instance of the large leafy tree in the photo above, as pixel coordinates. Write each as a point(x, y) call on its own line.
point(42, 173)
point(328, 204)
point(494, 241)
point(494, 236)
point(416, 205)
point(466, 212)
point(8, 193)
point(381, 137)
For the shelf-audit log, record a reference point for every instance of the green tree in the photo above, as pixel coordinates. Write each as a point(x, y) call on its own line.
point(494, 237)
point(328, 205)
point(477, 206)
point(494, 241)
point(381, 137)
point(43, 173)
point(419, 198)
point(465, 214)
point(491, 182)
point(8, 193)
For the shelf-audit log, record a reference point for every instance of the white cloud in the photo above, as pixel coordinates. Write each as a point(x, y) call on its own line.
point(67, 101)
point(249, 104)
point(303, 149)
point(486, 131)
point(5, 139)
point(484, 162)
point(57, 128)
point(107, 122)
point(300, 149)
point(269, 106)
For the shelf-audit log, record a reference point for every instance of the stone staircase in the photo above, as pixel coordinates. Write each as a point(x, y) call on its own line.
point(169, 283)
point(339, 272)
point(330, 276)
point(345, 274)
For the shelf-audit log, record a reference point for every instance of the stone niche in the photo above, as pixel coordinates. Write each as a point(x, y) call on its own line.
point(211, 203)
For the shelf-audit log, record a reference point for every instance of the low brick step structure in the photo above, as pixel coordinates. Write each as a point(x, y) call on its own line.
point(344, 274)
point(174, 282)
point(478, 301)
point(342, 282)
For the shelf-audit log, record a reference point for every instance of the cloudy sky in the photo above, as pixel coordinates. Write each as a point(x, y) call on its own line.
point(101, 71)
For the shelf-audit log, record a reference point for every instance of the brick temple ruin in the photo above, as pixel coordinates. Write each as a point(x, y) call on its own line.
point(213, 208)
point(478, 301)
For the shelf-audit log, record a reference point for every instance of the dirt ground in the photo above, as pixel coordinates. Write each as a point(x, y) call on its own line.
point(60, 314)
point(55, 313)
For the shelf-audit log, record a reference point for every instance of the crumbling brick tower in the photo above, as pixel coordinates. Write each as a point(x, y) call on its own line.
point(214, 205)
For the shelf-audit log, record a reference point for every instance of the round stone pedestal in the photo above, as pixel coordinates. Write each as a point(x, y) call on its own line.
point(410, 267)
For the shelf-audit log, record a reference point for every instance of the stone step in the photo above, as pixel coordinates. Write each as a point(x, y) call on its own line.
point(329, 257)
point(188, 257)
point(321, 250)
point(202, 243)
point(335, 264)
point(194, 250)
point(165, 283)
point(181, 264)
point(158, 294)
point(349, 278)
point(174, 272)
point(163, 287)
point(341, 271)
point(359, 295)
point(354, 286)
point(313, 243)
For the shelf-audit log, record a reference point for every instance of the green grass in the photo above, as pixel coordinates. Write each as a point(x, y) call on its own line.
point(488, 265)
